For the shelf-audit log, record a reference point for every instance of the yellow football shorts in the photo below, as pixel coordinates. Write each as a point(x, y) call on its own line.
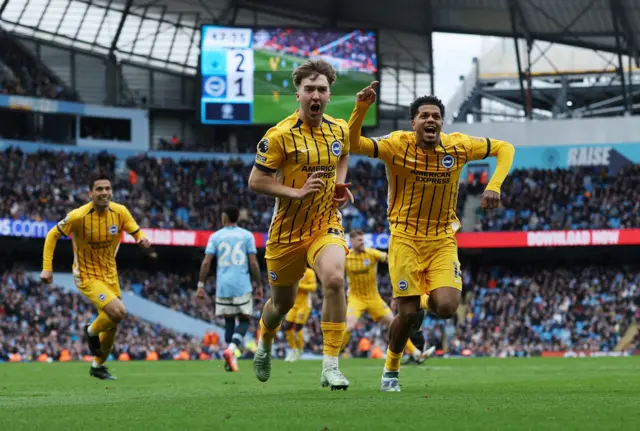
point(299, 313)
point(418, 267)
point(286, 263)
point(375, 307)
point(99, 292)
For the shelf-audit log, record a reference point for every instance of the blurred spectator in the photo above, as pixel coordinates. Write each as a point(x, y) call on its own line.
point(38, 319)
point(566, 199)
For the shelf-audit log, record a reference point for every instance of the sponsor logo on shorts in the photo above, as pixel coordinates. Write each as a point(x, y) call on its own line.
point(403, 285)
point(102, 297)
point(113, 229)
point(456, 270)
point(273, 276)
point(336, 148)
point(447, 161)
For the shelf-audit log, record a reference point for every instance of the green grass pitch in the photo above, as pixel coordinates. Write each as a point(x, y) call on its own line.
point(267, 111)
point(456, 394)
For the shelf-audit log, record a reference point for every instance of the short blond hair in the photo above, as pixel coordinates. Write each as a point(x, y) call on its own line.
point(313, 68)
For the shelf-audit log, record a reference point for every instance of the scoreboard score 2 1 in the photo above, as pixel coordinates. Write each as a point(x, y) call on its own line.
point(227, 75)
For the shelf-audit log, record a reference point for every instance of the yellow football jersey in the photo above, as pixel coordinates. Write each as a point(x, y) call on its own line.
point(423, 184)
point(361, 269)
point(308, 283)
point(95, 240)
point(293, 151)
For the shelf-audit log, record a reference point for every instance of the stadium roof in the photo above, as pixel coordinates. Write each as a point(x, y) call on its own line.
point(583, 23)
point(405, 25)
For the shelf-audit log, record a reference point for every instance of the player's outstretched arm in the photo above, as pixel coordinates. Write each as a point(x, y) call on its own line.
point(365, 98)
point(503, 152)
point(46, 276)
point(264, 183)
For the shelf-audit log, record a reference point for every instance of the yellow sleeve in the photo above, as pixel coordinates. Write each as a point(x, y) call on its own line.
point(49, 248)
point(481, 148)
point(381, 147)
point(270, 152)
point(379, 255)
point(62, 228)
point(130, 226)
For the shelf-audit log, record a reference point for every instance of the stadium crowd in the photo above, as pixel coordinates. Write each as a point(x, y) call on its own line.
point(163, 193)
point(527, 311)
point(566, 199)
point(506, 313)
point(37, 319)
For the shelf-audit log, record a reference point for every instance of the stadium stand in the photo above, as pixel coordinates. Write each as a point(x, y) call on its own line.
point(25, 75)
point(577, 198)
point(38, 319)
point(509, 312)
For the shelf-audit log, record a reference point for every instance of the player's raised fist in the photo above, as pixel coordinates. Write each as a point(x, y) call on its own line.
point(46, 277)
point(490, 200)
point(368, 94)
point(144, 243)
point(313, 185)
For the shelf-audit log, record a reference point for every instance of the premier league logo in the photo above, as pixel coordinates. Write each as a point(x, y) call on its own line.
point(447, 161)
point(263, 145)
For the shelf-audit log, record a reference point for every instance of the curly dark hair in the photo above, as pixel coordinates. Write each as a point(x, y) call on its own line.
point(425, 100)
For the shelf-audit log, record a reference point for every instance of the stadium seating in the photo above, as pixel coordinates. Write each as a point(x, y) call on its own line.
point(508, 313)
point(579, 198)
point(163, 193)
point(525, 311)
point(37, 319)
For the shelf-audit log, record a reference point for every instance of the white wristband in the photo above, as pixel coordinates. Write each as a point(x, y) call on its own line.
point(200, 285)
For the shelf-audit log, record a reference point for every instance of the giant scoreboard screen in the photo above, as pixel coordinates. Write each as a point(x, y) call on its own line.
point(246, 72)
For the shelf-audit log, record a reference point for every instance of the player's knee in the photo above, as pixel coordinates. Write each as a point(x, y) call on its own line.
point(288, 325)
point(333, 284)
point(283, 305)
point(410, 317)
point(446, 310)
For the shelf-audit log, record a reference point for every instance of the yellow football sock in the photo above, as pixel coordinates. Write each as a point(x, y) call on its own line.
point(300, 340)
point(107, 340)
point(267, 334)
point(332, 334)
point(102, 323)
point(291, 338)
point(393, 361)
point(410, 348)
point(345, 339)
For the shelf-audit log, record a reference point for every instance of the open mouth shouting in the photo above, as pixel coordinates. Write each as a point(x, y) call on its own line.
point(430, 132)
point(314, 108)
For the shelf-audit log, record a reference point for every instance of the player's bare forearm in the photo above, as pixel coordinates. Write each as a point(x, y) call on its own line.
point(355, 126)
point(342, 168)
point(49, 248)
point(264, 183)
point(504, 159)
point(204, 271)
point(254, 269)
point(255, 273)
